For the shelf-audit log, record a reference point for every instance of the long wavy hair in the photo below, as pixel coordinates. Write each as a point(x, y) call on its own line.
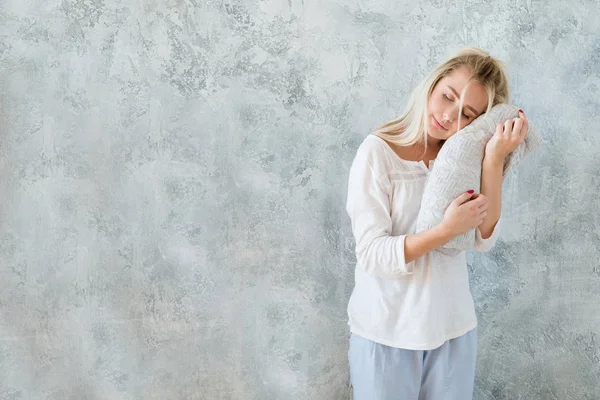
point(411, 127)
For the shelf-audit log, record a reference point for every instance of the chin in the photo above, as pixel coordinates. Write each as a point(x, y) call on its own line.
point(445, 137)
point(435, 134)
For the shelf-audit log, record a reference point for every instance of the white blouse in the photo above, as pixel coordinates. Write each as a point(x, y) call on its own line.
point(417, 305)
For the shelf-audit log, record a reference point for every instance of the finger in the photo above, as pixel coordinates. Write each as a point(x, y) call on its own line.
point(480, 203)
point(499, 129)
point(480, 199)
point(463, 198)
point(483, 208)
point(523, 116)
point(508, 127)
point(517, 133)
point(482, 218)
point(525, 128)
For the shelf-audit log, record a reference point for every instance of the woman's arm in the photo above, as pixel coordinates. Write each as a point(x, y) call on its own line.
point(419, 244)
point(505, 140)
point(491, 187)
point(378, 252)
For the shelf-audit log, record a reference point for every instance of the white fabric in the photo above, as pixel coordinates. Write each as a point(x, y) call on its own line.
point(418, 305)
point(458, 169)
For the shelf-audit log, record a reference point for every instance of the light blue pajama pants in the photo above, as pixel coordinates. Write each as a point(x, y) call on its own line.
point(380, 372)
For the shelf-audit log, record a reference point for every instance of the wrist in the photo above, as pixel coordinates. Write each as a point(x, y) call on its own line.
point(493, 160)
point(444, 232)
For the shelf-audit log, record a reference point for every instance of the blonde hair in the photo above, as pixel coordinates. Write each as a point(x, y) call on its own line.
point(410, 128)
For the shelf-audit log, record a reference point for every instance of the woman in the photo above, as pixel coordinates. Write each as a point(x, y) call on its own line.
point(411, 316)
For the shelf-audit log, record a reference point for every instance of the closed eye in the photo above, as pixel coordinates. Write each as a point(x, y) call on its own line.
point(449, 99)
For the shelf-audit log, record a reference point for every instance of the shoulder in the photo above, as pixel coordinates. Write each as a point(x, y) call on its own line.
point(373, 150)
point(372, 159)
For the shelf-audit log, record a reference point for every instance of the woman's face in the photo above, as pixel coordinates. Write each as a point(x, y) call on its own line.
point(445, 100)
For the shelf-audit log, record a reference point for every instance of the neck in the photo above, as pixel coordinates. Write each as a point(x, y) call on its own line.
point(433, 143)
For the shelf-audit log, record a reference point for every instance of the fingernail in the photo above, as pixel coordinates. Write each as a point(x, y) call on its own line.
point(521, 111)
point(470, 191)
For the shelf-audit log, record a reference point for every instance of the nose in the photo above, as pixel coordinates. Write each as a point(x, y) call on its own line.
point(446, 116)
point(450, 114)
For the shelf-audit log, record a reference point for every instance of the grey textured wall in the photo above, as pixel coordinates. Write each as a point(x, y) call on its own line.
point(173, 179)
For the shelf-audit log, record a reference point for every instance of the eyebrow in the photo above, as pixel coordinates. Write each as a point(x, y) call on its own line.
point(465, 105)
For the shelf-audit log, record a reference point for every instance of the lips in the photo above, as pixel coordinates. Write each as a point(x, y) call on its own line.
point(438, 125)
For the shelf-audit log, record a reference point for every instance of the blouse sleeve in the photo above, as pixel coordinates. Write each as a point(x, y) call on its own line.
point(484, 245)
point(368, 205)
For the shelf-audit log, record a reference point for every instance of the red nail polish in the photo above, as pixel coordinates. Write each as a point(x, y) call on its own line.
point(470, 191)
point(521, 111)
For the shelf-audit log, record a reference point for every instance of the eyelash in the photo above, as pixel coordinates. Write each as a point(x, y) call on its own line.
point(447, 98)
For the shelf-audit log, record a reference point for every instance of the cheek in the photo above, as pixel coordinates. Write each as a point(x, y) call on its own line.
point(435, 105)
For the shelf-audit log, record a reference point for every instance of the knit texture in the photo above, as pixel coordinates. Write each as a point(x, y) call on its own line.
point(457, 169)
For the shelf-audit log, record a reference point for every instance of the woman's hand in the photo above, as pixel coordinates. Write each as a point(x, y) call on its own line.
point(466, 212)
point(507, 138)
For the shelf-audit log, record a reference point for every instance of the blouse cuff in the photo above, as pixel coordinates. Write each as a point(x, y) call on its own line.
point(404, 267)
point(484, 245)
